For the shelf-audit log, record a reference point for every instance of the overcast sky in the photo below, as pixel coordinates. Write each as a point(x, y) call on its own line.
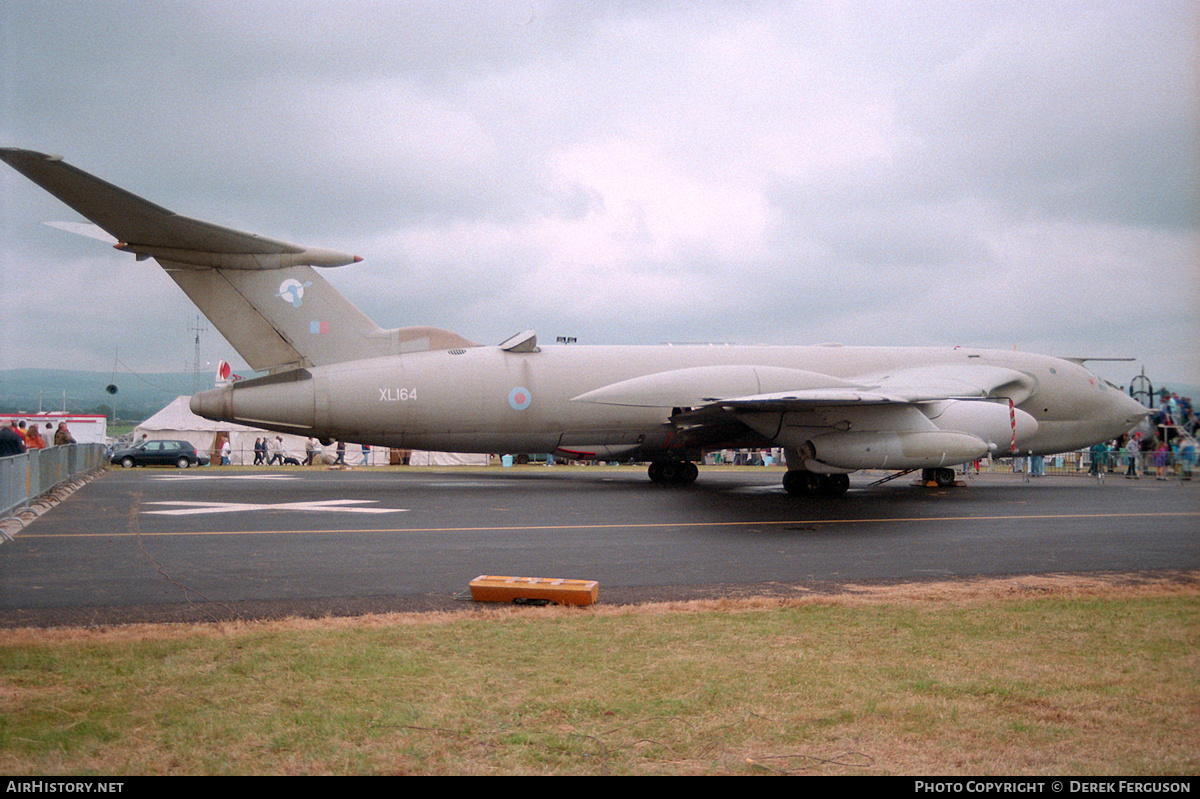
point(979, 173)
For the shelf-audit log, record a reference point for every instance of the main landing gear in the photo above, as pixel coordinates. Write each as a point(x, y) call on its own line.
point(673, 472)
point(800, 482)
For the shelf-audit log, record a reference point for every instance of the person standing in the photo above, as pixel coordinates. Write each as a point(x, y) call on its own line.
point(11, 442)
point(1133, 451)
point(1160, 461)
point(276, 448)
point(62, 435)
point(33, 438)
point(1099, 460)
point(1187, 457)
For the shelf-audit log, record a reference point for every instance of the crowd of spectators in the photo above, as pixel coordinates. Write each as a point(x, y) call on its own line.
point(16, 438)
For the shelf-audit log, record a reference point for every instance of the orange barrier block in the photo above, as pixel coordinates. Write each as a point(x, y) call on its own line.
point(491, 588)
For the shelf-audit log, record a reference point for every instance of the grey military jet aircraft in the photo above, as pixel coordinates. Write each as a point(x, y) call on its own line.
point(334, 374)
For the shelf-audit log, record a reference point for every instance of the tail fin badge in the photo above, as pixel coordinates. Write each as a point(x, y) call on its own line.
point(292, 290)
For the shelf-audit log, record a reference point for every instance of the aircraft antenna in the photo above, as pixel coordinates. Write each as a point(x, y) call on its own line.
point(196, 327)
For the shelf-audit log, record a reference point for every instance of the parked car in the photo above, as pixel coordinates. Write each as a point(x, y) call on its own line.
point(159, 453)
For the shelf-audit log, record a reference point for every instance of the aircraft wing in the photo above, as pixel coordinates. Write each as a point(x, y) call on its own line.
point(896, 419)
point(150, 230)
point(778, 388)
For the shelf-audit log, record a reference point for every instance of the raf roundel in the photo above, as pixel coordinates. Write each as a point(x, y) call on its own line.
point(519, 398)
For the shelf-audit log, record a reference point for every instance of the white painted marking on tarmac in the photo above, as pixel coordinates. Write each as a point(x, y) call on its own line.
point(757, 489)
point(322, 506)
point(226, 477)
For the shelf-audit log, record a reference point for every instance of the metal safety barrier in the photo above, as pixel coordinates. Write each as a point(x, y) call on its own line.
point(25, 477)
point(1169, 465)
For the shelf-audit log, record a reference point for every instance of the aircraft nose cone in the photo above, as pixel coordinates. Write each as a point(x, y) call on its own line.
point(1127, 413)
point(1134, 410)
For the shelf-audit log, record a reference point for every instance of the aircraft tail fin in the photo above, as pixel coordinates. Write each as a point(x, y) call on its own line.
point(260, 293)
point(279, 318)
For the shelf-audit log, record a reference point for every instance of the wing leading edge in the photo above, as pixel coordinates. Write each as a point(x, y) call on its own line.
point(777, 388)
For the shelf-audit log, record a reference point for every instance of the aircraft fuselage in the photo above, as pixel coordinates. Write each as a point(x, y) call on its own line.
point(486, 399)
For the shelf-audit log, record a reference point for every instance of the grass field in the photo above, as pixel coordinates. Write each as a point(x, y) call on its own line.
point(1054, 675)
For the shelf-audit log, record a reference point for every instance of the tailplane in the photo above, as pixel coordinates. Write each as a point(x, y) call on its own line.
point(262, 294)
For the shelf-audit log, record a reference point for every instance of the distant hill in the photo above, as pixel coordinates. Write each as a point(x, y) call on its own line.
point(138, 396)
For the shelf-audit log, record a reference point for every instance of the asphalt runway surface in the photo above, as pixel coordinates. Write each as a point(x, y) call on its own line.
point(153, 545)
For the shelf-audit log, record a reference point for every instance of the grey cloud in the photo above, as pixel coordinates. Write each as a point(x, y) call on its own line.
point(636, 171)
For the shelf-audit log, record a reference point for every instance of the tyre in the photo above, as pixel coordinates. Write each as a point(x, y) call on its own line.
point(834, 485)
point(183, 463)
point(673, 472)
point(127, 463)
point(799, 482)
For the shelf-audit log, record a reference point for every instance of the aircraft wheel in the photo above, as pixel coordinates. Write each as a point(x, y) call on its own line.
point(674, 472)
point(943, 477)
point(834, 485)
point(799, 482)
point(127, 463)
